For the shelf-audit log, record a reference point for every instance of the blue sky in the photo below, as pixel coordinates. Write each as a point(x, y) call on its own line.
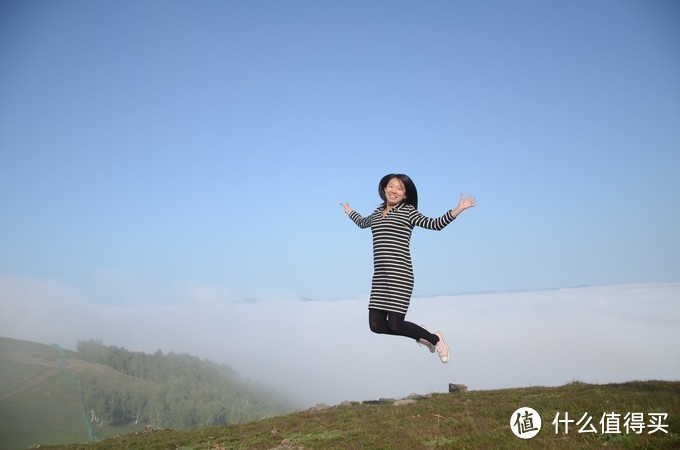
point(149, 146)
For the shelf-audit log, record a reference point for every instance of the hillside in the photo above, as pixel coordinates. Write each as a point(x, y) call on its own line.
point(467, 420)
point(49, 395)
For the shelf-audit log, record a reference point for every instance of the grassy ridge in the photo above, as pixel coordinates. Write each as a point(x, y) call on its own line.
point(53, 396)
point(478, 419)
point(40, 397)
point(51, 413)
point(37, 403)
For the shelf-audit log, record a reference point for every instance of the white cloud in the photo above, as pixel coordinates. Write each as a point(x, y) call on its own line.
point(321, 351)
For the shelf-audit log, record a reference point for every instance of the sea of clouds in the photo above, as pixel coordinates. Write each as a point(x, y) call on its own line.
point(323, 351)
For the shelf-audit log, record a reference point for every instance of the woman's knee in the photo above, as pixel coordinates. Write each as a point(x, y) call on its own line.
point(395, 322)
point(376, 328)
point(394, 325)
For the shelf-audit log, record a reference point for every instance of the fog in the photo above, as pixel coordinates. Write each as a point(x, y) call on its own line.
point(323, 352)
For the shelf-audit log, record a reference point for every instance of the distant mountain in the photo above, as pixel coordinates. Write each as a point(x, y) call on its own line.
point(49, 395)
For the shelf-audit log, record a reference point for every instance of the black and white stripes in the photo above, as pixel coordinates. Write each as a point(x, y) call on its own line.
point(392, 283)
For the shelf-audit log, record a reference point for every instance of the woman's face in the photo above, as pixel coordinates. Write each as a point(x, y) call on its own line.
point(395, 192)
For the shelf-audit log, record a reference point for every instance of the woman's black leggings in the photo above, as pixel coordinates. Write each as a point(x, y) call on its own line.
point(388, 322)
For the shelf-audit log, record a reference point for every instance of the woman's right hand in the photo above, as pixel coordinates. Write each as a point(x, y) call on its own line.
point(347, 208)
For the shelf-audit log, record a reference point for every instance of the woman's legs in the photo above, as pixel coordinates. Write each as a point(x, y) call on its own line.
point(388, 322)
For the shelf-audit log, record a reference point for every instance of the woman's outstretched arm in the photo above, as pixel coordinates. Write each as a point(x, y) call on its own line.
point(418, 219)
point(362, 222)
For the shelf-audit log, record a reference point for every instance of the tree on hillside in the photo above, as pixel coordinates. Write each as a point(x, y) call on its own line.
point(178, 391)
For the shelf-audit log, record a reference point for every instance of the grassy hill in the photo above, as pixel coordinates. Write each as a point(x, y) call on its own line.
point(35, 399)
point(41, 403)
point(49, 395)
point(478, 419)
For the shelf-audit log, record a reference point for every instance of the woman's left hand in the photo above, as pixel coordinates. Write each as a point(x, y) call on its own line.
point(345, 205)
point(466, 202)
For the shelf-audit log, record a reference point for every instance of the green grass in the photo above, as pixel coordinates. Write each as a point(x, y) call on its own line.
point(39, 403)
point(35, 399)
point(470, 420)
point(49, 413)
point(45, 393)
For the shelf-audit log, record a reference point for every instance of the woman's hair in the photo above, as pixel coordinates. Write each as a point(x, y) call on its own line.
point(411, 191)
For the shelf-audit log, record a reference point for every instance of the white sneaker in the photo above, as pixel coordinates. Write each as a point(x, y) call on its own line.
point(442, 348)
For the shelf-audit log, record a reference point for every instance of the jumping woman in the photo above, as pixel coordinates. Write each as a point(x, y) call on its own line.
point(391, 224)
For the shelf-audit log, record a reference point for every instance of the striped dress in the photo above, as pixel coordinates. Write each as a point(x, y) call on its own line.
point(392, 283)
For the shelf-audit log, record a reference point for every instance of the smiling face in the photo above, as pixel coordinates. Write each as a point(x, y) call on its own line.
point(395, 192)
